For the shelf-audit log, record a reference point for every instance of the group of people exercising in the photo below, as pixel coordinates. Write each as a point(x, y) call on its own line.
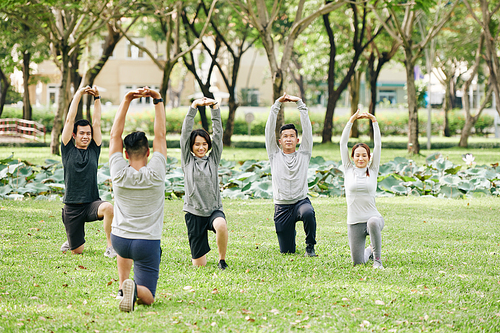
point(134, 224)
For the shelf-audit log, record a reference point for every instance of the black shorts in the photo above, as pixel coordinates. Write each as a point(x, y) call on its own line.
point(74, 217)
point(197, 227)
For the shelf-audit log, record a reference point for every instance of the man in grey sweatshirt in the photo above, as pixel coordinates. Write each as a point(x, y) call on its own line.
point(289, 167)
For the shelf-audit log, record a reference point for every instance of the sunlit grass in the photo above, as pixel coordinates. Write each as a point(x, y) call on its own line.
point(441, 259)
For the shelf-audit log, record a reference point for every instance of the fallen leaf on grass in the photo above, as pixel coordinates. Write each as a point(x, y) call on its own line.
point(378, 302)
point(41, 318)
point(187, 288)
point(215, 291)
point(69, 306)
point(219, 311)
point(345, 299)
point(442, 272)
point(248, 270)
point(299, 312)
point(82, 267)
point(35, 285)
point(84, 301)
point(65, 285)
point(34, 297)
point(247, 318)
point(364, 323)
point(151, 313)
point(245, 311)
point(274, 311)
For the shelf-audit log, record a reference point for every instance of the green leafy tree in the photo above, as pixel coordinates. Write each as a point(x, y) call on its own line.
point(399, 20)
point(263, 16)
point(64, 26)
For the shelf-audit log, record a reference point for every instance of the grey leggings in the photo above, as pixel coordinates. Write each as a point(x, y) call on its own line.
point(357, 237)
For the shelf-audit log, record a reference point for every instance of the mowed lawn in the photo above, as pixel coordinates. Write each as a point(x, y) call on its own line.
point(441, 258)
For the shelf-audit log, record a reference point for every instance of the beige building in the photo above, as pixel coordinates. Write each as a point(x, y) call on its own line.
point(130, 68)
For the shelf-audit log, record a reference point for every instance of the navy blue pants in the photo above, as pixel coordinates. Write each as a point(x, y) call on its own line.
point(285, 219)
point(146, 255)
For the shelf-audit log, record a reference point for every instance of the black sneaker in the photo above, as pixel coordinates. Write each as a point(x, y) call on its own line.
point(310, 251)
point(119, 295)
point(222, 264)
point(129, 296)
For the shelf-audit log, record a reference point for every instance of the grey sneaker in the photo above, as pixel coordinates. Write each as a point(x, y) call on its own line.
point(110, 252)
point(129, 296)
point(65, 246)
point(310, 251)
point(377, 264)
point(119, 295)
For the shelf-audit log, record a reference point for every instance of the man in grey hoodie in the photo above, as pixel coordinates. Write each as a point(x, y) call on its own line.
point(289, 176)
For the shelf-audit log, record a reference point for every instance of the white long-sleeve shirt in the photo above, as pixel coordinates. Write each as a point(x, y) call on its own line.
point(360, 189)
point(289, 171)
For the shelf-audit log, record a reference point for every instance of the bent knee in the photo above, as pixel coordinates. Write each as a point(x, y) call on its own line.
point(106, 208)
point(220, 224)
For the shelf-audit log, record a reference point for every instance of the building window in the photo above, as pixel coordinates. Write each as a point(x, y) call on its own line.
point(134, 52)
point(387, 95)
point(250, 97)
point(52, 94)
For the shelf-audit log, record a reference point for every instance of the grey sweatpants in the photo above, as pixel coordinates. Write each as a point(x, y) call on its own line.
point(357, 237)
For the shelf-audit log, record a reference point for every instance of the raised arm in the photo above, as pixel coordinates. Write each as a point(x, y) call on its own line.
point(96, 116)
point(160, 127)
point(217, 132)
point(377, 143)
point(344, 150)
point(115, 139)
point(307, 135)
point(70, 118)
point(270, 131)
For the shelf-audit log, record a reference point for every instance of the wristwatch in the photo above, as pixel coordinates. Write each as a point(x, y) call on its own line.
point(157, 100)
point(214, 105)
point(97, 97)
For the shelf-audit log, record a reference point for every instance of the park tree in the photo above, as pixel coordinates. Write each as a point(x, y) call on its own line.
point(263, 15)
point(162, 21)
point(7, 63)
point(484, 13)
point(379, 53)
point(456, 48)
point(64, 26)
point(358, 26)
point(399, 20)
point(233, 38)
point(470, 120)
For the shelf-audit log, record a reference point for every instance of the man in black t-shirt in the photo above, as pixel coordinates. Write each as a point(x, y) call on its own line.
point(80, 160)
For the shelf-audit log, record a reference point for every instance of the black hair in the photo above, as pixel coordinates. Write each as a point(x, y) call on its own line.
point(136, 144)
point(200, 132)
point(289, 126)
point(82, 122)
point(362, 145)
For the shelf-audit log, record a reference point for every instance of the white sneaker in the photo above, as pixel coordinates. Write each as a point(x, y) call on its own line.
point(377, 264)
point(65, 246)
point(110, 252)
point(129, 296)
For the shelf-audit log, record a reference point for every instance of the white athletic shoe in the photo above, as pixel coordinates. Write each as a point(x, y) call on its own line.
point(65, 246)
point(129, 296)
point(110, 252)
point(377, 264)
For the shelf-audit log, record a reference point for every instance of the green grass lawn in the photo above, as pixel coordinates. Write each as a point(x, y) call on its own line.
point(442, 260)
point(37, 155)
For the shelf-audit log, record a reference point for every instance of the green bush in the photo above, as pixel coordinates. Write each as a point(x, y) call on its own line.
point(393, 123)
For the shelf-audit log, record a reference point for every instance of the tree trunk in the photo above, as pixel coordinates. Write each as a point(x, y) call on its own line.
point(354, 85)
point(447, 106)
point(413, 145)
point(229, 129)
point(62, 104)
point(76, 78)
point(4, 84)
point(27, 110)
point(167, 70)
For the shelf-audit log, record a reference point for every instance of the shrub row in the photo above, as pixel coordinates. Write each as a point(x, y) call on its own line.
point(391, 123)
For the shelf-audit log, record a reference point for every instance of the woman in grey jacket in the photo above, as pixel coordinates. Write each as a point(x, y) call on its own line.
point(202, 200)
point(360, 181)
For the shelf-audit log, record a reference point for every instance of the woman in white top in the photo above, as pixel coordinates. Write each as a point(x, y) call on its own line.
point(360, 181)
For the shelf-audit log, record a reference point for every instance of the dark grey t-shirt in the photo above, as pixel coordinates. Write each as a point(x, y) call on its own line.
point(80, 172)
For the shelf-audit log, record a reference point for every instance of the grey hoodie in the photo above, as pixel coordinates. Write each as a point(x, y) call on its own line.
point(201, 179)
